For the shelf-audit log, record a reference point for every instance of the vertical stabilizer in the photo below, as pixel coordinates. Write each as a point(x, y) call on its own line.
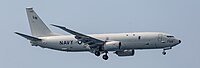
point(37, 26)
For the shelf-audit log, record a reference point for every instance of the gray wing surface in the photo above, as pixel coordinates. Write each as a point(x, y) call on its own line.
point(82, 37)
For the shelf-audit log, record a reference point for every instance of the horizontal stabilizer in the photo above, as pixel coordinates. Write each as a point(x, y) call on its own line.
point(28, 37)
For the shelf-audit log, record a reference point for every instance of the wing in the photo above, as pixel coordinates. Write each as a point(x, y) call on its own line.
point(82, 37)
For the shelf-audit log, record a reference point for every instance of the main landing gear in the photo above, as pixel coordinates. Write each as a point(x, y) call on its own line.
point(97, 53)
point(105, 57)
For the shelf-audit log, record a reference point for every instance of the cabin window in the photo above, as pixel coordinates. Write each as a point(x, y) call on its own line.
point(133, 34)
point(170, 36)
point(139, 37)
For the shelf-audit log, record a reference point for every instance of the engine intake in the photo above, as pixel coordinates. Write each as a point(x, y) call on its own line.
point(112, 45)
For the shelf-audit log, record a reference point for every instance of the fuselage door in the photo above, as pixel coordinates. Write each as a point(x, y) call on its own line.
point(160, 37)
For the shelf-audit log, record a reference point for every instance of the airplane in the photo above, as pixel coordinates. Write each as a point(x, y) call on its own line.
point(121, 44)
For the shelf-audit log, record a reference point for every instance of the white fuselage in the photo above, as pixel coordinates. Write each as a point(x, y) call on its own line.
point(137, 40)
point(123, 44)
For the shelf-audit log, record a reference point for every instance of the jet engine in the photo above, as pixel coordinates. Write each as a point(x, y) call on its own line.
point(112, 45)
point(125, 53)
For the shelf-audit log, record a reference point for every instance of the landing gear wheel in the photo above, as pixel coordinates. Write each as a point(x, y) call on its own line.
point(105, 57)
point(97, 53)
point(164, 53)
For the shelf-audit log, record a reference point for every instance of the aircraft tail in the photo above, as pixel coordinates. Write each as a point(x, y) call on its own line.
point(37, 26)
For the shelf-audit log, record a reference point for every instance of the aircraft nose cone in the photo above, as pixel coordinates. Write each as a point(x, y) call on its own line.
point(179, 41)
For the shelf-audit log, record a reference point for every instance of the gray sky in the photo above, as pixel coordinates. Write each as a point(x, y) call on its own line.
point(178, 17)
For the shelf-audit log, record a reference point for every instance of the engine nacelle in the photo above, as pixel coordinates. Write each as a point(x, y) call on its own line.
point(112, 45)
point(125, 53)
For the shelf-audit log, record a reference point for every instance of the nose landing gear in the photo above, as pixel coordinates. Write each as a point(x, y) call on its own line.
point(164, 50)
point(164, 53)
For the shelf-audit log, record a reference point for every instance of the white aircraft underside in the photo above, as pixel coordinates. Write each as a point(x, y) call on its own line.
point(122, 44)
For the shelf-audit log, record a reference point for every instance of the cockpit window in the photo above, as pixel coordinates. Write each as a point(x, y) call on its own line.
point(170, 36)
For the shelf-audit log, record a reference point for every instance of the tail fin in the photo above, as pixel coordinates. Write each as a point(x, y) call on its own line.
point(37, 26)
